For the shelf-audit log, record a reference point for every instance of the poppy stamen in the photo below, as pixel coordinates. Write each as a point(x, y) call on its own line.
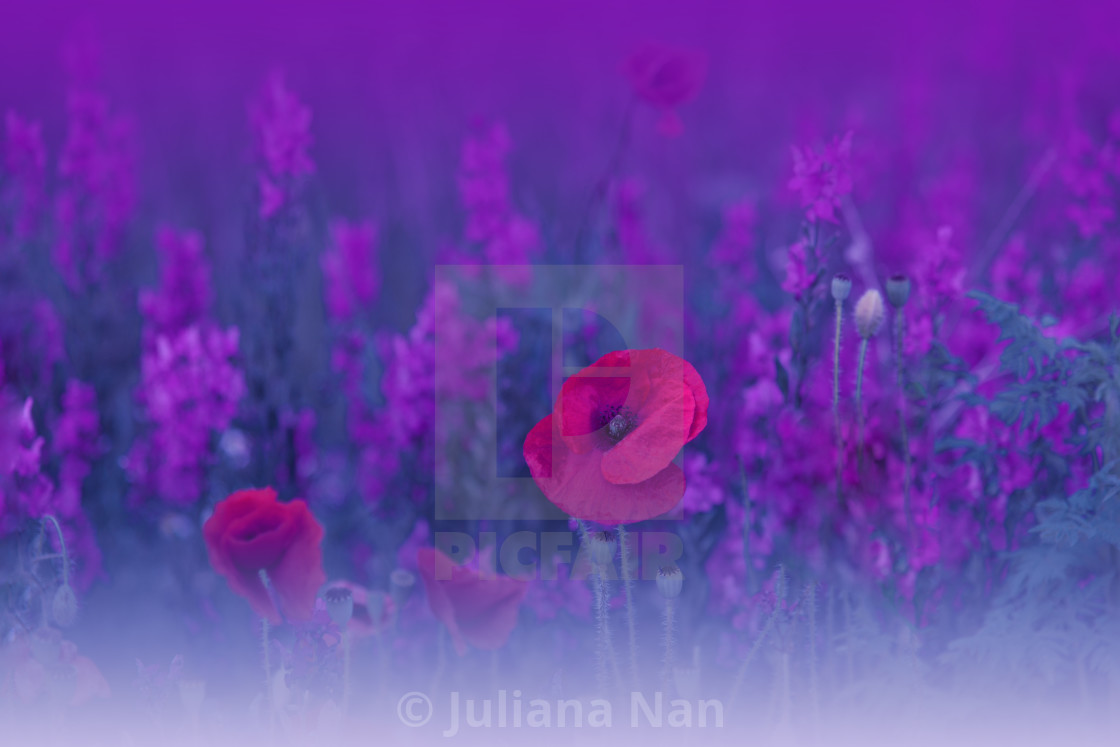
point(617, 421)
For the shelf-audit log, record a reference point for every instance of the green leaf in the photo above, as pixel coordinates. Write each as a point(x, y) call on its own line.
point(782, 377)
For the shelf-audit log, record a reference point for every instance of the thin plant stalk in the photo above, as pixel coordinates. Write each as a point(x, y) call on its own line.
point(668, 663)
point(836, 400)
point(899, 328)
point(811, 610)
point(741, 674)
point(61, 548)
point(859, 400)
point(268, 694)
point(346, 671)
point(624, 550)
point(604, 648)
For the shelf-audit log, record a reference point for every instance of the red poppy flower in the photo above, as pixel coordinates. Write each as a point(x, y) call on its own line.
point(251, 531)
point(606, 452)
point(478, 611)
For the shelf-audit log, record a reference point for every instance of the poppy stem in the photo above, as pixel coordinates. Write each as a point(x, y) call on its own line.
point(61, 548)
point(668, 673)
point(267, 675)
point(742, 673)
point(272, 595)
point(899, 330)
point(859, 400)
point(836, 400)
point(811, 611)
point(604, 649)
point(345, 672)
point(624, 556)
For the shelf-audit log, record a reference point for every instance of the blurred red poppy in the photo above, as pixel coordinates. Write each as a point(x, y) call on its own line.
point(251, 531)
point(475, 610)
point(43, 663)
point(665, 78)
point(606, 452)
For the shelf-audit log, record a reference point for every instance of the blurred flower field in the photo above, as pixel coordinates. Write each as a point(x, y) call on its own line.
point(724, 353)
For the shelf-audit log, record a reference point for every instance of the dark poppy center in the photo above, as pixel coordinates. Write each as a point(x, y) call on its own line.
point(616, 422)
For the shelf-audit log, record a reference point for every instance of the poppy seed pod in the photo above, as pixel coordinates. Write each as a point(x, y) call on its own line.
point(898, 290)
point(64, 606)
point(869, 313)
point(603, 547)
point(340, 605)
point(669, 581)
point(841, 287)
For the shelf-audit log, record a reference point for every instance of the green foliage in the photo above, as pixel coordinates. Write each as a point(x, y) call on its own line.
point(1049, 620)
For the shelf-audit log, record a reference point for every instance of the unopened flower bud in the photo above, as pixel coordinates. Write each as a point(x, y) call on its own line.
point(603, 546)
point(401, 582)
point(898, 290)
point(340, 605)
point(869, 314)
point(669, 581)
point(64, 607)
point(841, 287)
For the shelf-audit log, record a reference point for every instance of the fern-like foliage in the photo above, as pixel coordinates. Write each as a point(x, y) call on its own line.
point(1052, 619)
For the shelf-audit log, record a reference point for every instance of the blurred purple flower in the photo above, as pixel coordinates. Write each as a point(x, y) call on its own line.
point(797, 280)
point(734, 249)
point(350, 269)
point(98, 188)
point(25, 163)
point(507, 238)
point(703, 488)
point(483, 181)
point(666, 77)
point(76, 443)
point(282, 125)
point(1084, 170)
point(282, 130)
point(638, 248)
point(823, 177)
point(183, 297)
point(190, 388)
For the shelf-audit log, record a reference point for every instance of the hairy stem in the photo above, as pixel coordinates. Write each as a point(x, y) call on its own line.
point(268, 700)
point(859, 401)
point(604, 648)
point(61, 548)
point(755, 647)
point(668, 670)
point(836, 400)
point(899, 327)
point(624, 550)
point(811, 611)
point(346, 672)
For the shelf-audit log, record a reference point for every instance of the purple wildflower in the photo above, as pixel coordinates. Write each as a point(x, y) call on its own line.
point(823, 177)
point(734, 249)
point(190, 389)
point(183, 297)
point(350, 269)
point(798, 279)
point(98, 194)
point(25, 162)
point(282, 129)
point(77, 443)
